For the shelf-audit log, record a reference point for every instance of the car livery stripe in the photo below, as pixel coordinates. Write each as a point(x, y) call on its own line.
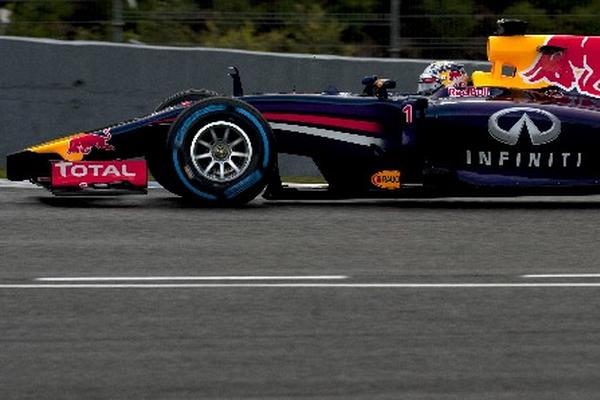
point(373, 110)
point(329, 134)
point(345, 123)
point(165, 121)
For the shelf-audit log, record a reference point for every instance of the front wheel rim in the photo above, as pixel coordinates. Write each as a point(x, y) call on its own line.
point(221, 151)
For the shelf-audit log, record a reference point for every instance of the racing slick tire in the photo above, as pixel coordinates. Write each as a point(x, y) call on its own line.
point(185, 95)
point(157, 156)
point(219, 152)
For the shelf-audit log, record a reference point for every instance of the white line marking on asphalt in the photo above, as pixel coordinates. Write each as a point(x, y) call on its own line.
point(12, 185)
point(296, 285)
point(188, 278)
point(154, 185)
point(561, 276)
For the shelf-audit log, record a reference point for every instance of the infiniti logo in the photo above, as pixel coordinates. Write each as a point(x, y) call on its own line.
point(511, 136)
point(507, 126)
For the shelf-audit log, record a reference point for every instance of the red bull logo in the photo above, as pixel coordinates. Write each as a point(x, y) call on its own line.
point(469, 91)
point(85, 143)
point(570, 62)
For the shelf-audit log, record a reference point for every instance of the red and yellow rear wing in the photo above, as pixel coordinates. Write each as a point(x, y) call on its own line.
point(538, 61)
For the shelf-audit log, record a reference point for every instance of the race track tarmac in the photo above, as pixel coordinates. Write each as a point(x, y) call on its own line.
point(146, 298)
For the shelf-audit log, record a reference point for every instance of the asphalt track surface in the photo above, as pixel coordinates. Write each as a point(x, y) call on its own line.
point(146, 298)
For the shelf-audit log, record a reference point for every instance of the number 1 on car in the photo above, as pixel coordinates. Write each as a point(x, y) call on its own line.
point(408, 112)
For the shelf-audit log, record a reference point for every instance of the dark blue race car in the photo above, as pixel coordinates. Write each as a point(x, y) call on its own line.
point(535, 129)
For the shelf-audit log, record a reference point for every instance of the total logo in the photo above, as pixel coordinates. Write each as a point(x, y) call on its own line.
point(79, 170)
point(511, 127)
point(66, 173)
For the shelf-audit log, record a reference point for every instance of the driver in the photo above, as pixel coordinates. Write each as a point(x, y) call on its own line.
point(442, 74)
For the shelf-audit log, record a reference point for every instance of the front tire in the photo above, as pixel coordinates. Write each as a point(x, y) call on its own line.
point(157, 156)
point(219, 152)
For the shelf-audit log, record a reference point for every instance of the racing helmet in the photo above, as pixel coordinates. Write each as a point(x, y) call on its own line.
point(442, 74)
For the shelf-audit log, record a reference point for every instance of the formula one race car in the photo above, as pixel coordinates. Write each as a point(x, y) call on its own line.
point(535, 130)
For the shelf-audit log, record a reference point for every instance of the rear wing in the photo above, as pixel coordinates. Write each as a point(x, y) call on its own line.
point(539, 61)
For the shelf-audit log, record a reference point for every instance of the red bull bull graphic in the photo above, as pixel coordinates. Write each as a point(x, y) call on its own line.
point(84, 143)
point(569, 62)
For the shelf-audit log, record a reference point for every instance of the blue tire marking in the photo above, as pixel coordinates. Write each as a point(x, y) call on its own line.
point(191, 119)
point(239, 187)
point(244, 184)
point(179, 141)
point(263, 134)
point(189, 185)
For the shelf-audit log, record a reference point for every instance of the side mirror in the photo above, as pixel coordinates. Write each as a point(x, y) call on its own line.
point(382, 86)
point(368, 82)
point(234, 73)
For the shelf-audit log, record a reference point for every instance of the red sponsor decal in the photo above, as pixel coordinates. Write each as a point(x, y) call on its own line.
point(67, 173)
point(164, 121)
point(386, 179)
point(85, 143)
point(573, 65)
point(469, 91)
point(354, 124)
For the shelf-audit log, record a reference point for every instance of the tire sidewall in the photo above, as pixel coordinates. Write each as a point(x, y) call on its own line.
point(251, 181)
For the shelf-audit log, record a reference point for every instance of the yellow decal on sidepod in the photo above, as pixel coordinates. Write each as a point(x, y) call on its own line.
point(388, 179)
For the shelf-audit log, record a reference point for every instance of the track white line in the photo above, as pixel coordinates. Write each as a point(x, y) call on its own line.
point(188, 278)
point(298, 285)
point(561, 276)
point(4, 183)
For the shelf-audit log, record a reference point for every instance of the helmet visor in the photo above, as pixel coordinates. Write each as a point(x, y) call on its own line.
point(428, 84)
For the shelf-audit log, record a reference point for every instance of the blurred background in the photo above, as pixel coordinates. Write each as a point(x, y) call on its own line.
point(378, 28)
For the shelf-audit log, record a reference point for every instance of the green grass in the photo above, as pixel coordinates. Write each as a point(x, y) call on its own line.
point(2, 173)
